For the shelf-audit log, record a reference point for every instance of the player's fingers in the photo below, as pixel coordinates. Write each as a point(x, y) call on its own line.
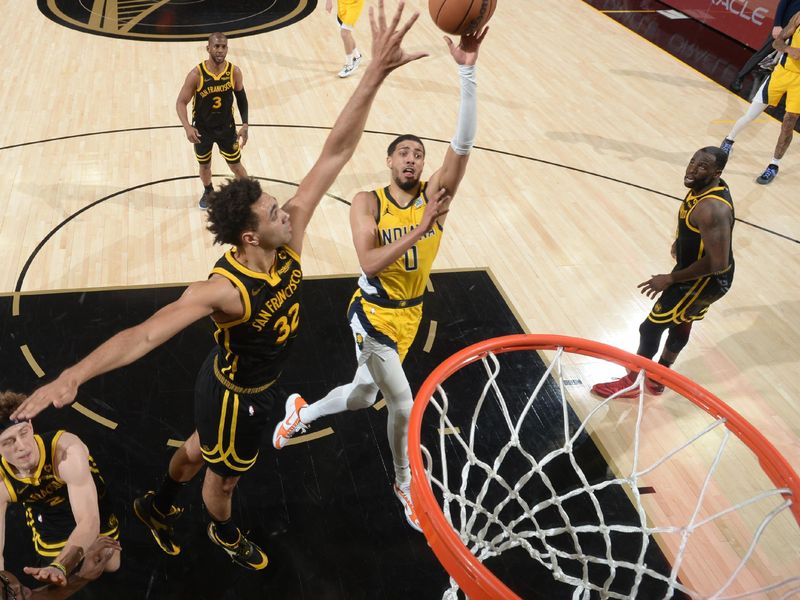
point(407, 25)
point(437, 195)
point(449, 42)
point(483, 34)
point(397, 14)
point(23, 410)
point(381, 16)
point(372, 23)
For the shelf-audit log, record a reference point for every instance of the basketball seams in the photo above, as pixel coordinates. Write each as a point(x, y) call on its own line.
point(461, 17)
point(467, 14)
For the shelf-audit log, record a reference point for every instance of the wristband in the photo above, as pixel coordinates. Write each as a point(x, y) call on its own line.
point(59, 566)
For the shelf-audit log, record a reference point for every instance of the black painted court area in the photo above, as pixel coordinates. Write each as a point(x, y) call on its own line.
point(324, 510)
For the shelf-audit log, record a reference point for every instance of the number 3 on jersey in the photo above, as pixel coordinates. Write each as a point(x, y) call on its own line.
point(217, 102)
point(287, 324)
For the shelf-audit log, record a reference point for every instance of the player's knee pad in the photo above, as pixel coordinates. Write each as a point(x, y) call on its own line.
point(678, 337)
point(650, 338)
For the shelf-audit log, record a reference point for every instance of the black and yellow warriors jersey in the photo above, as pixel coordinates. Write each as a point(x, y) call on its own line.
point(252, 351)
point(46, 498)
point(690, 244)
point(212, 106)
point(405, 279)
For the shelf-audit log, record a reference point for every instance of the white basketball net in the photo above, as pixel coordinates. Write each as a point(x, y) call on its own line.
point(487, 530)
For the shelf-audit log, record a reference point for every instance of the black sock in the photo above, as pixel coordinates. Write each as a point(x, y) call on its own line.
point(209, 188)
point(227, 531)
point(167, 493)
point(664, 362)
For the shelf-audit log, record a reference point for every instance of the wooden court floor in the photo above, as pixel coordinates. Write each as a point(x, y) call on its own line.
point(570, 200)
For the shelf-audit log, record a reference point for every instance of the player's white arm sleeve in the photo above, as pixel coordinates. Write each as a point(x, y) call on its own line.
point(467, 112)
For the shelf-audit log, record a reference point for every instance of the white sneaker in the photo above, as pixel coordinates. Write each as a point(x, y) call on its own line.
point(291, 424)
point(348, 70)
point(404, 495)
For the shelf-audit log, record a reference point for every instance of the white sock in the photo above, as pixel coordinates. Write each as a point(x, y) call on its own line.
point(775, 161)
point(756, 108)
point(349, 59)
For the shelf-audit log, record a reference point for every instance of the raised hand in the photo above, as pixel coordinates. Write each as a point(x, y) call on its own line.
point(438, 205)
point(466, 53)
point(387, 53)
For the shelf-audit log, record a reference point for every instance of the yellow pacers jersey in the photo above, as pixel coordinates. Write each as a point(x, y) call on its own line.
point(787, 62)
point(405, 278)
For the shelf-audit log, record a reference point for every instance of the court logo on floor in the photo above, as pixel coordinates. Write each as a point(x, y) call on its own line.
point(175, 20)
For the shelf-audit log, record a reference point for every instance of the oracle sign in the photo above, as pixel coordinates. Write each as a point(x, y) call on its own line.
point(748, 21)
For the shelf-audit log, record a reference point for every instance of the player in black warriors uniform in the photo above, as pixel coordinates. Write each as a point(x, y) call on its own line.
point(702, 275)
point(53, 476)
point(211, 86)
point(253, 297)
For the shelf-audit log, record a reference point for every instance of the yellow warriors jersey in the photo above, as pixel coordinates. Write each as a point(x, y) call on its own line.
point(689, 246)
point(212, 105)
point(405, 279)
point(46, 499)
point(252, 350)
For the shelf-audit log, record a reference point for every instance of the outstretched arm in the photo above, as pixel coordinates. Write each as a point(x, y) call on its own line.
point(387, 55)
point(452, 170)
point(184, 97)
point(200, 300)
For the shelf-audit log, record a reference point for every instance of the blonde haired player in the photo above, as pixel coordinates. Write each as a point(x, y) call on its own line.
point(396, 233)
point(347, 13)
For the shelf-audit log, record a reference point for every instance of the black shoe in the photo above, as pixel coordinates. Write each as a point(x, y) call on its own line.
point(770, 173)
point(160, 526)
point(243, 552)
point(204, 200)
point(726, 146)
point(736, 85)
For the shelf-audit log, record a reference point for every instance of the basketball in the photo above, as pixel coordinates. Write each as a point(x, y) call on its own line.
point(460, 17)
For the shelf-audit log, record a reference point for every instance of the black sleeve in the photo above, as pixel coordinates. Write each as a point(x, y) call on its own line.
point(241, 102)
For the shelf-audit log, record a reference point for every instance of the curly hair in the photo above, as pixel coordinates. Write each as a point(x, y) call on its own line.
point(9, 402)
point(230, 210)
